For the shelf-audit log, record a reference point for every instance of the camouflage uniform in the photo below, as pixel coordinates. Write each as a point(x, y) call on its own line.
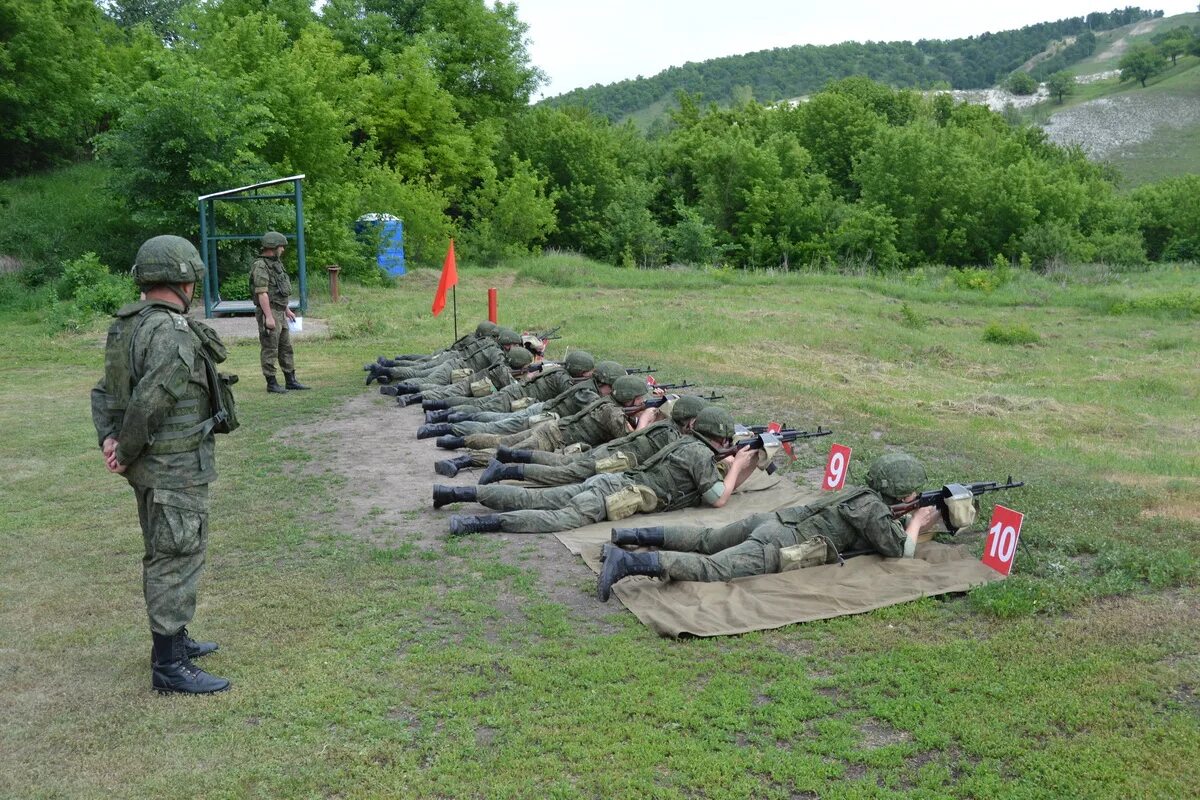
point(267, 275)
point(557, 469)
point(540, 388)
point(678, 476)
point(484, 435)
point(477, 356)
point(154, 399)
point(855, 518)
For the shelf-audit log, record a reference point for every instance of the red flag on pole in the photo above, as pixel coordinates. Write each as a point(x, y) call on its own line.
point(449, 278)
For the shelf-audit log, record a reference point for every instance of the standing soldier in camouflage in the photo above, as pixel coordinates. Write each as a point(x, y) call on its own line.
point(155, 412)
point(271, 287)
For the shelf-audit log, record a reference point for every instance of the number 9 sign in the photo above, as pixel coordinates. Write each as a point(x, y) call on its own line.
point(1001, 544)
point(836, 468)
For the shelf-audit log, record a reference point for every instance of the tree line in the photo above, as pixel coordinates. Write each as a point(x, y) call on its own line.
point(420, 108)
point(976, 62)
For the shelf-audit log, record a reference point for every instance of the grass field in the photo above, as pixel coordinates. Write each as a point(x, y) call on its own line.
point(405, 664)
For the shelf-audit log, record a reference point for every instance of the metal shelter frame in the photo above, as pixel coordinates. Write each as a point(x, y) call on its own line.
point(213, 304)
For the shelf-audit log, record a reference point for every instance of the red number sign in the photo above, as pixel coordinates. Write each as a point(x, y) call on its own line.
point(836, 468)
point(1001, 545)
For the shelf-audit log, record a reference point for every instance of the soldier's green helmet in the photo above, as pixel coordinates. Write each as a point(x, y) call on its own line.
point(896, 475)
point(273, 239)
point(629, 387)
point(686, 408)
point(167, 259)
point(714, 422)
point(518, 358)
point(509, 337)
point(578, 363)
point(486, 328)
point(607, 372)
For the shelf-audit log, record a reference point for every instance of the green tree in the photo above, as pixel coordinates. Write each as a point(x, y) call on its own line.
point(1140, 64)
point(1176, 44)
point(1021, 83)
point(1060, 85)
point(509, 216)
point(693, 241)
point(632, 235)
point(160, 16)
point(50, 57)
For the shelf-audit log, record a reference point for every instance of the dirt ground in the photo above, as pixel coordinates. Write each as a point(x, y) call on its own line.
point(244, 327)
point(387, 480)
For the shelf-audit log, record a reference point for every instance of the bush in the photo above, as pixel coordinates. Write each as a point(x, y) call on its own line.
point(1021, 83)
point(997, 333)
point(975, 279)
point(93, 288)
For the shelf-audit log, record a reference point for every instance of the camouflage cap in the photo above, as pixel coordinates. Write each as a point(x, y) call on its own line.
point(607, 372)
point(167, 259)
point(715, 422)
point(686, 408)
point(896, 475)
point(273, 239)
point(629, 387)
point(518, 358)
point(486, 328)
point(579, 362)
point(508, 337)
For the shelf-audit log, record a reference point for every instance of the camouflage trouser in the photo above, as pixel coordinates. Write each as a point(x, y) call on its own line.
point(274, 344)
point(496, 422)
point(438, 374)
point(749, 546)
point(499, 403)
point(175, 534)
point(544, 436)
point(434, 392)
point(558, 509)
point(571, 470)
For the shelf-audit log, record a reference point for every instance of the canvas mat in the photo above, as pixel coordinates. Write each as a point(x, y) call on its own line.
point(862, 584)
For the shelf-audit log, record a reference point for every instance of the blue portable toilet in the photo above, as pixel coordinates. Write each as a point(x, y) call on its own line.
point(390, 232)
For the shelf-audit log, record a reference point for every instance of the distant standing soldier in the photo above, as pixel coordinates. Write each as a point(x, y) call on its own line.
point(155, 412)
point(271, 287)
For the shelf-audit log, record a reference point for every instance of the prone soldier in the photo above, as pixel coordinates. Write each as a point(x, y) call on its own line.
point(856, 518)
point(680, 475)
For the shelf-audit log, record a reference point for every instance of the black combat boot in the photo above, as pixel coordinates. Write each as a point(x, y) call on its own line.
point(389, 391)
point(435, 405)
point(444, 495)
point(450, 466)
point(172, 671)
point(195, 649)
point(430, 431)
point(507, 456)
point(620, 564)
point(273, 386)
point(292, 383)
point(432, 417)
point(451, 442)
point(497, 471)
point(462, 524)
point(405, 400)
point(648, 537)
point(377, 373)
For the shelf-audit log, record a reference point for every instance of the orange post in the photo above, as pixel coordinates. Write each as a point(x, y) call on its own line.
point(492, 305)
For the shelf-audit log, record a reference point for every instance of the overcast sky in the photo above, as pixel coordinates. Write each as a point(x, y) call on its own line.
point(582, 42)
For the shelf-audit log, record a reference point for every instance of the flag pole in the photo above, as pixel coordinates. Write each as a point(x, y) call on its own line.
point(454, 293)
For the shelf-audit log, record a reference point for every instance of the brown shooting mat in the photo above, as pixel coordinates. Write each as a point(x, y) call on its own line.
point(761, 602)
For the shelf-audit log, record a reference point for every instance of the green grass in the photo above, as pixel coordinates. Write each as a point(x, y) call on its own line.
point(424, 667)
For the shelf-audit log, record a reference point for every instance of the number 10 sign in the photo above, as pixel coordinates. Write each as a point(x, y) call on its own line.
point(1001, 544)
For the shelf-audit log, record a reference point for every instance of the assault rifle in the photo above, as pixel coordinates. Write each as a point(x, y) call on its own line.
point(766, 439)
point(659, 402)
point(952, 492)
point(641, 370)
point(549, 334)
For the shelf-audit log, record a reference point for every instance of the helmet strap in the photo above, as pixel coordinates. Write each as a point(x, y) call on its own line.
point(183, 298)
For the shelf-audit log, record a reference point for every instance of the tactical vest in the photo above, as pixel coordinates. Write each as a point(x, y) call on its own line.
point(197, 413)
point(827, 500)
point(279, 283)
point(674, 500)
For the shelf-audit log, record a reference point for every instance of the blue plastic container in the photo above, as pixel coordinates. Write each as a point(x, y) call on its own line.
point(390, 231)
